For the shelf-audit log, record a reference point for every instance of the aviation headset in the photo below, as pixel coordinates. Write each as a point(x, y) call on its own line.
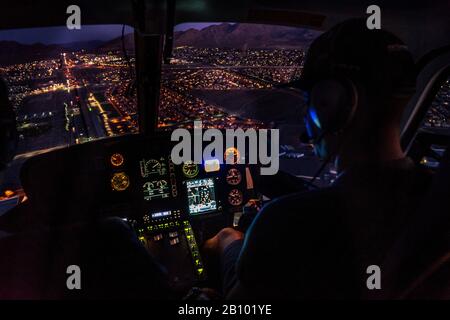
point(328, 79)
point(342, 98)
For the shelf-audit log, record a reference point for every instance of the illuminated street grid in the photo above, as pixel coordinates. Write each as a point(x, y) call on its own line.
point(438, 115)
point(91, 90)
point(220, 69)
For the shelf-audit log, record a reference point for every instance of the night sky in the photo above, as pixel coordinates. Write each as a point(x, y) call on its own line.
point(60, 35)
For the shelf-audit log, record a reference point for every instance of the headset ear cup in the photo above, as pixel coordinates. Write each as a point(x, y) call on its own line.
point(335, 101)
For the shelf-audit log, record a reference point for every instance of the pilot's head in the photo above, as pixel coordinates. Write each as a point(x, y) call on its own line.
point(357, 83)
point(8, 132)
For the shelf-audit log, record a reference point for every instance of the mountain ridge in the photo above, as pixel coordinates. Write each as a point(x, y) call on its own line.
point(13, 52)
point(244, 35)
point(225, 35)
point(228, 35)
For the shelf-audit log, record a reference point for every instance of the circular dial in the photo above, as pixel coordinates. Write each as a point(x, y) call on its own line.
point(117, 159)
point(153, 166)
point(190, 170)
point(232, 155)
point(160, 184)
point(235, 197)
point(120, 181)
point(234, 177)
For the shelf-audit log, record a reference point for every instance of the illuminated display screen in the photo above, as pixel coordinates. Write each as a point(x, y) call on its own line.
point(156, 189)
point(157, 183)
point(163, 214)
point(201, 196)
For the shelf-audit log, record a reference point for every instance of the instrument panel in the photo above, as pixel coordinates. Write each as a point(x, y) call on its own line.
point(174, 208)
point(152, 183)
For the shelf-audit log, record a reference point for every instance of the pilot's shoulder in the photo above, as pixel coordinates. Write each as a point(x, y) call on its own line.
point(302, 207)
point(294, 204)
point(283, 226)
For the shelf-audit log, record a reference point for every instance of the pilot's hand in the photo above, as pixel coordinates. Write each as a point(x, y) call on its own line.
point(222, 240)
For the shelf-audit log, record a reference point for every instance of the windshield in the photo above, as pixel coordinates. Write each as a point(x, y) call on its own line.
point(70, 87)
point(226, 75)
point(229, 74)
point(67, 87)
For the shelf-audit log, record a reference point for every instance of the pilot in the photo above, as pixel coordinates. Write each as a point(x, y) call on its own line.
point(320, 244)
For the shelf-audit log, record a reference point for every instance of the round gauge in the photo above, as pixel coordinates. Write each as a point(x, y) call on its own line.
point(232, 156)
point(117, 159)
point(151, 167)
point(190, 169)
point(235, 197)
point(161, 184)
point(120, 181)
point(234, 177)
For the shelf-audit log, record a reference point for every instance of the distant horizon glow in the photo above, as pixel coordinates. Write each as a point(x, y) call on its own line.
point(196, 25)
point(62, 35)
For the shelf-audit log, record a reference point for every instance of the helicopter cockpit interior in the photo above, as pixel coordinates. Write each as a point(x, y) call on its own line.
point(96, 108)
